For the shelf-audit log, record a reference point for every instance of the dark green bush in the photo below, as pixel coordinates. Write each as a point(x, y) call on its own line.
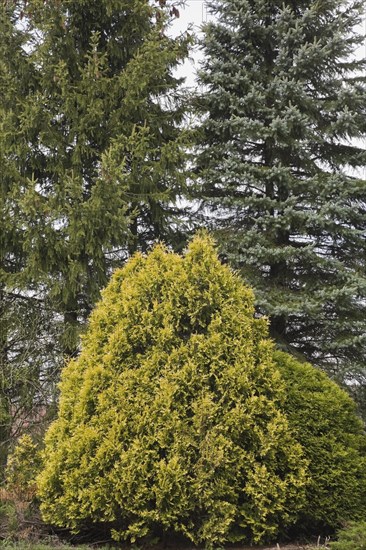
point(332, 436)
point(352, 537)
point(170, 420)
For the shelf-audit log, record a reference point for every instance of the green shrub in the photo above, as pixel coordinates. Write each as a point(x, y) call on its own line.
point(352, 537)
point(9, 524)
point(170, 420)
point(22, 468)
point(19, 513)
point(332, 436)
point(179, 417)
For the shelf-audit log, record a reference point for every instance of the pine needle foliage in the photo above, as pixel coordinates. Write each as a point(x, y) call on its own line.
point(281, 160)
point(91, 140)
point(171, 419)
point(91, 165)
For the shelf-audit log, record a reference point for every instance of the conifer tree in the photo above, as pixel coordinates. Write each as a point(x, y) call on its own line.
point(284, 115)
point(91, 162)
point(27, 350)
point(96, 152)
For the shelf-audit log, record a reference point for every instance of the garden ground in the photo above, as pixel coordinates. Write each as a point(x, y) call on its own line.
point(6, 545)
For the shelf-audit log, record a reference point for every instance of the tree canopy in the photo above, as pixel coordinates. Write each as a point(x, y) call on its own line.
point(91, 142)
point(91, 166)
point(283, 118)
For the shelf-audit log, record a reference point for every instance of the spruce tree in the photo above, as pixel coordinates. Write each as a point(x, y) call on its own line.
point(27, 350)
point(96, 150)
point(284, 107)
point(91, 159)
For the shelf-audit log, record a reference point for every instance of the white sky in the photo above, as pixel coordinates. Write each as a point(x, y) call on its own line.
point(193, 14)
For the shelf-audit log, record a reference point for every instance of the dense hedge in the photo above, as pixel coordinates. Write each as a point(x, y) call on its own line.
point(170, 420)
point(333, 438)
point(179, 417)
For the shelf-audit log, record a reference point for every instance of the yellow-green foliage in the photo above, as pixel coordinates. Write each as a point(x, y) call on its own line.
point(170, 420)
point(19, 514)
point(22, 468)
point(325, 423)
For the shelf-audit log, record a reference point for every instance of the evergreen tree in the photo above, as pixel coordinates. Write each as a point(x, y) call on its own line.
point(96, 150)
point(284, 115)
point(27, 351)
point(30, 362)
point(91, 159)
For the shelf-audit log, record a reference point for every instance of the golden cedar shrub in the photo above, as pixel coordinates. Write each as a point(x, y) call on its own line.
point(171, 419)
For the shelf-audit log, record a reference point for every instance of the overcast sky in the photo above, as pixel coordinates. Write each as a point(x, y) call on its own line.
point(194, 13)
